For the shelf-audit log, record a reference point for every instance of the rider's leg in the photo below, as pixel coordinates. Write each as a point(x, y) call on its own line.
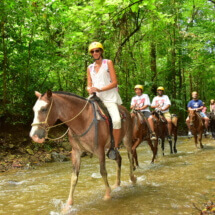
point(188, 123)
point(206, 122)
point(169, 123)
point(151, 124)
point(117, 137)
point(169, 126)
point(116, 121)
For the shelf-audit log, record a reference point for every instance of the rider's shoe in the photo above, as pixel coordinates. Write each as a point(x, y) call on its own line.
point(112, 153)
point(169, 138)
point(189, 134)
point(153, 136)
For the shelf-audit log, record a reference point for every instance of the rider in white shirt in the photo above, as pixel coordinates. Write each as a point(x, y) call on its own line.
point(141, 102)
point(161, 102)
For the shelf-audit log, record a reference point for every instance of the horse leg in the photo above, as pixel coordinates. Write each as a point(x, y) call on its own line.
point(103, 173)
point(136, 144)
point(76, 161)
point(175, 140)
point(170, 145)
point(131, 161)
point(200, 140)
point(162, 144)
point(153, 150)
point(213, 130)
point(195, 139)
point(118, 173)
point(135, 158)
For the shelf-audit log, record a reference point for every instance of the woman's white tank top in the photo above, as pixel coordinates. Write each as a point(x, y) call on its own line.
point(101, 79)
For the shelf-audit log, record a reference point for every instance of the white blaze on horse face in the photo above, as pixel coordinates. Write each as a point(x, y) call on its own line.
point(37, 107)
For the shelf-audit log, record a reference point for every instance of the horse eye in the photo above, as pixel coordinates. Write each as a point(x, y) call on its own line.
point(43, 110)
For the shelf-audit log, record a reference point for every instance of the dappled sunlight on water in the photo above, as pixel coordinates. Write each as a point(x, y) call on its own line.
point(169, 186)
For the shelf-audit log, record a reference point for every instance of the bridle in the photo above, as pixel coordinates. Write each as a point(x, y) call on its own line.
point(45, 126)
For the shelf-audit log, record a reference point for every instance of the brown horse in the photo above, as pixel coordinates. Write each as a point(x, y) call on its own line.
point(140, 133)
point(211, 116)
point(162, 131)
point(86, 133)
point(196, 126)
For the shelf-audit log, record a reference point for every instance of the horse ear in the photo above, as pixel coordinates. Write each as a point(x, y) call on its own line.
point(49, 94)
point(37, 94)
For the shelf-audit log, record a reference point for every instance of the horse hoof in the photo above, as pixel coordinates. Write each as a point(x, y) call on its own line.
point(107, 197)
point(175, 151)
point(66, 209)
point(115, 186)
point(133, 179)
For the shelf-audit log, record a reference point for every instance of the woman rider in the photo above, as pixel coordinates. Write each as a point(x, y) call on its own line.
point(102, 80)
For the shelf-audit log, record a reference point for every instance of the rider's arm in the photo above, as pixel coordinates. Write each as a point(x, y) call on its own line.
point(113, 77)
point(166, 107)
point(153, 105)
point(144, 107)
point(132, 106)
point(200, 108)
point(89, 80)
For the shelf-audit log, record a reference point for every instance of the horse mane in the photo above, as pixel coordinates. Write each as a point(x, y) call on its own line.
point(67, 94)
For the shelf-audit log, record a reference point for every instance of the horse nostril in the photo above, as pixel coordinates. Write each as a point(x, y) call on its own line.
point(40, 133)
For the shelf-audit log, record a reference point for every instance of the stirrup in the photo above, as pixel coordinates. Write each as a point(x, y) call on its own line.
point(112, 153)
point(169, 138)
point(153, 136)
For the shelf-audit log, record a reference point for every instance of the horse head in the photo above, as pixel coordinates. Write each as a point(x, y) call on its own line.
point(136, 117)
point(43, 116)
point(192, 116)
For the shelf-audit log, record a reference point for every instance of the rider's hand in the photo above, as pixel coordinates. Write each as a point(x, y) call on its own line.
point(93, 90)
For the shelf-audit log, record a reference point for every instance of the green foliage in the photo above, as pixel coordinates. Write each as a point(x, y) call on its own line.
point(44, 46)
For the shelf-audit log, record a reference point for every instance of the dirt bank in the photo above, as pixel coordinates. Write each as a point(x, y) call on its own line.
point(17, 150)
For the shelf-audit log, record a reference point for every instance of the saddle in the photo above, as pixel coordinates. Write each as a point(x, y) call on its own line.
point(102, 112)
point(160, 116)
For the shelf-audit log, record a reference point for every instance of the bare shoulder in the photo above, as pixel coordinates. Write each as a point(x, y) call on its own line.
point(110, 62)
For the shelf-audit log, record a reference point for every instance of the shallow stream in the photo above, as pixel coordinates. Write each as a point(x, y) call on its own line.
point(170, 186)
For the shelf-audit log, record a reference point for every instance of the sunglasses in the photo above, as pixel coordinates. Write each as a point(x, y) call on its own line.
point(96, 51)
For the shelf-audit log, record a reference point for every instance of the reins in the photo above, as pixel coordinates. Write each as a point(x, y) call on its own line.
point(53, 126)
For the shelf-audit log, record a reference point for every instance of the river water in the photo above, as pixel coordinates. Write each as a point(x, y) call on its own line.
point(170, 186)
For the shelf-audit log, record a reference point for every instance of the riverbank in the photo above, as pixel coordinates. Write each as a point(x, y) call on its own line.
point(17, 150)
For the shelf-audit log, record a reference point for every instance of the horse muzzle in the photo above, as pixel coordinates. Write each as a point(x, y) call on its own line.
point(36, 139)
point(38, 135)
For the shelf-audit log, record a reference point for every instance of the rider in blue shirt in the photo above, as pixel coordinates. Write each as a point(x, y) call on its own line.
point(197, 105)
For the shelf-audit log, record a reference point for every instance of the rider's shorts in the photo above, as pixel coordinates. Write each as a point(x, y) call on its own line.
point(167, 115)
point(114, 114)
point(147, 114)
point(202, 114)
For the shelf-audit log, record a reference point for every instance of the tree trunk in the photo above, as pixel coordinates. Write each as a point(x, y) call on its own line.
point(4, 65)
point(153, 66)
